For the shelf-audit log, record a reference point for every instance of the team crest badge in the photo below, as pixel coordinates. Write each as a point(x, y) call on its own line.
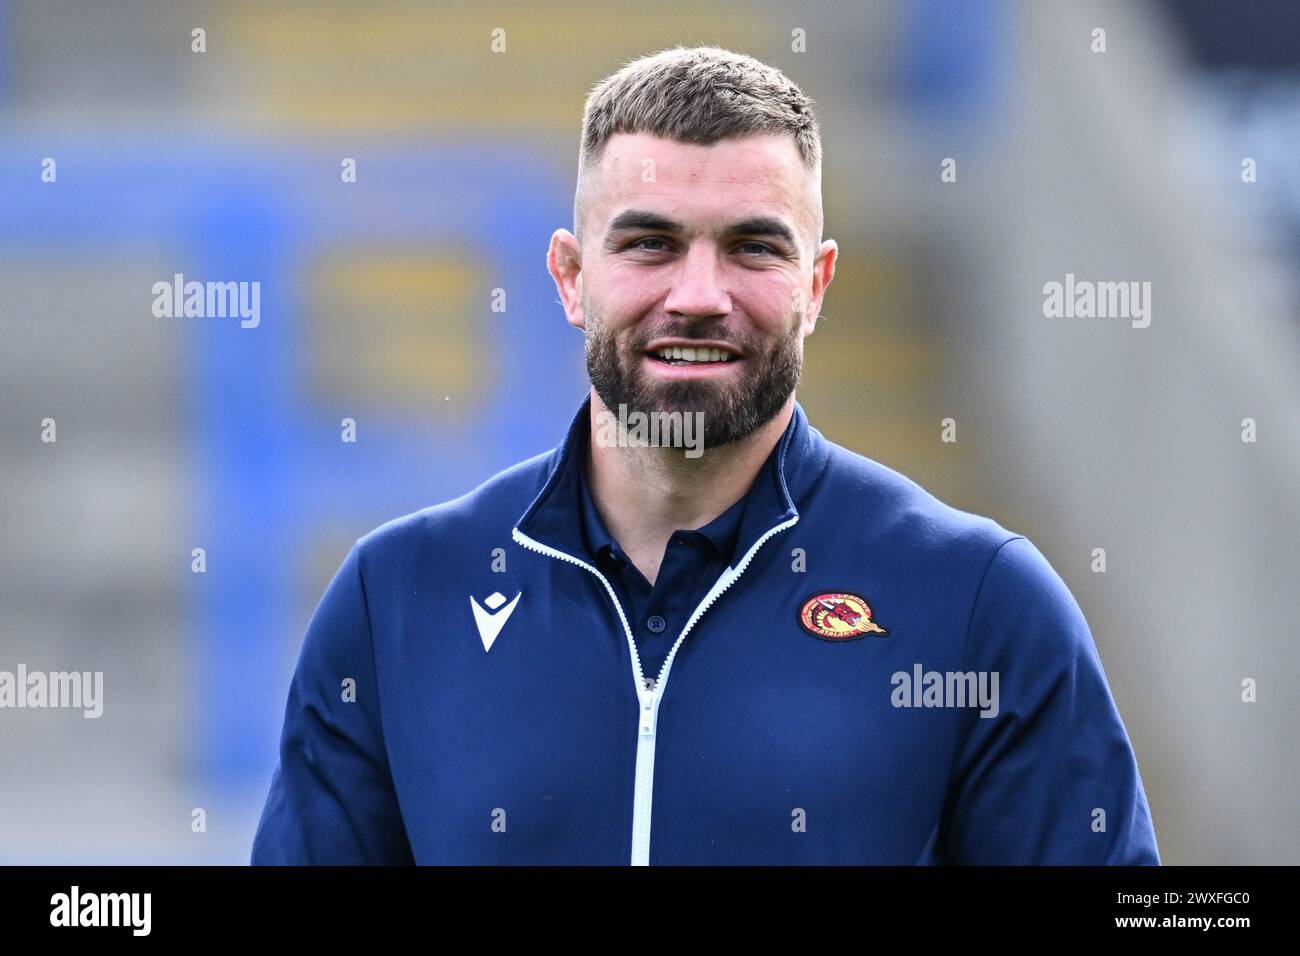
point(838, 616)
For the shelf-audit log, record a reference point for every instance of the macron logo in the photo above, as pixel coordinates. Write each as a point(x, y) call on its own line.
point(490, 622)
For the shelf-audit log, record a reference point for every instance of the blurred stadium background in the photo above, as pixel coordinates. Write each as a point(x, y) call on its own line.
point(175, 434)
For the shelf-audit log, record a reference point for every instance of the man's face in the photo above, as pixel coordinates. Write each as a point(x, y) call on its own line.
point(699, 248)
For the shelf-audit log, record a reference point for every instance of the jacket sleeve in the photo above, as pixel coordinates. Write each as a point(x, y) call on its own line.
point(1052, 778)
point(332, 799)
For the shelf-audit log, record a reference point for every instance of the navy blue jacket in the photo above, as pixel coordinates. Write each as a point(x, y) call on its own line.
point(468, 692)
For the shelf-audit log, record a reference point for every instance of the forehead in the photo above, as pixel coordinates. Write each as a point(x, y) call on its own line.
point(759, 172)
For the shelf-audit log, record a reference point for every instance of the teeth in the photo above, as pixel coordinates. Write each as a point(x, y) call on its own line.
point(688, 354)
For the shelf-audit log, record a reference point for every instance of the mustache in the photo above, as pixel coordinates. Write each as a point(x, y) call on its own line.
point(696, 332)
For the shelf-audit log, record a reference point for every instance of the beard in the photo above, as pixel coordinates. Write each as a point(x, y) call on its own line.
point(731, 410)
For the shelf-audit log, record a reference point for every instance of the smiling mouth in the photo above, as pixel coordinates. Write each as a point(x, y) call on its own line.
point(691, 356)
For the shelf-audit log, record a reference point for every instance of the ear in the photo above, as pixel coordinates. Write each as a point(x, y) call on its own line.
point(823, 273)
point(564, 262)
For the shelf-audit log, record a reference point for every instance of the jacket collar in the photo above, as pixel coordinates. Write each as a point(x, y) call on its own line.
point(554, 516)
point(720, 533)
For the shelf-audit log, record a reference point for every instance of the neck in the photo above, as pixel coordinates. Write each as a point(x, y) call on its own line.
point(644, 494)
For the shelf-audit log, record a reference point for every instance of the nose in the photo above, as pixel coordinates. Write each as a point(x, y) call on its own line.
point(699, 290)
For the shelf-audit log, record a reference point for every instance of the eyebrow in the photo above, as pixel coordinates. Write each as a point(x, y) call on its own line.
point(751, 226)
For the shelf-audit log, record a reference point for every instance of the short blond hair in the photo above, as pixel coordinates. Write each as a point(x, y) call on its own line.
point(694, 95)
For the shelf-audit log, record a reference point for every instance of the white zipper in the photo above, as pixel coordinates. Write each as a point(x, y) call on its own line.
point(650, 690)
point(532, 545)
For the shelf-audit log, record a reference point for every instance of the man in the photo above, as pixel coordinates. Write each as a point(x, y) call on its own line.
point(768, 650)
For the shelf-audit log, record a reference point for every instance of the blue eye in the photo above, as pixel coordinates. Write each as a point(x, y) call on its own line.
point(640, 244)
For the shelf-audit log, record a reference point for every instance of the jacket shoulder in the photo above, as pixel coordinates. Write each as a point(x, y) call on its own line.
point(905, 511)
point(486, 510)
